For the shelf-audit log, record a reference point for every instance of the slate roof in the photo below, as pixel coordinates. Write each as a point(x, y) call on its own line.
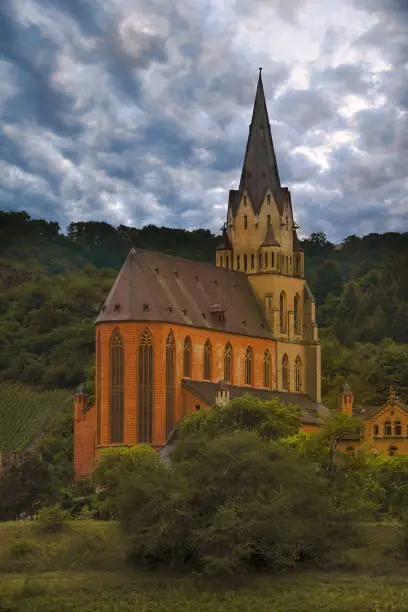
point(153, 287)
point(311, 412)
point(296, 244)
point(270, 239)
point(225, 244)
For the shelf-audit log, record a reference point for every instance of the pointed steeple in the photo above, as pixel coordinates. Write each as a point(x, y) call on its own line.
point(260, 170)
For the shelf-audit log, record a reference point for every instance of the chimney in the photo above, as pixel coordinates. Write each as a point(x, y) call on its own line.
point(346, 400)
point(222, 396)
point(80, 403)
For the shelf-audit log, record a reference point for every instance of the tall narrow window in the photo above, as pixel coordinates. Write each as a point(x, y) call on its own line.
point(228, 363)
point(245, 262)
point(260, 261)
point(298, 375)
point(98, 389)
point(285, 373)
point(268, 220)
point(282, 312)
point(252, 261)
point(170, 382)
point(296, 314)
point(398, 428)
point(226, 261)
point(266, 260)
point(221, 261)
point(116, 387)
point(245, 222)
point(145, 388)
point(248, 365)
point(187, 357)
point(387, 428)
point(207, 360)
point(267, 368)
point(273, 259)
point(238, 262)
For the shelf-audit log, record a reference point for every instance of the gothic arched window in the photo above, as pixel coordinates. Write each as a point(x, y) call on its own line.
point(116, 381)
point(170, 382)
point(228, 363)
point(187, 357)
point(267, 368)
point(98, 389)
point(248, 365)
point(207, 360)
point(285, 373)
point(298, 375)
point(245, 222)
point(296, 314)
point(145, 388)
point(282, 312)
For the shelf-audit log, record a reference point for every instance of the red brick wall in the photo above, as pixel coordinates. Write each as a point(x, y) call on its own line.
point(84, 439)
point(85, 428)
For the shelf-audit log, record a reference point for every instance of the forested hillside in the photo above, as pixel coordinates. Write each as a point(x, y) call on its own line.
point(52, 285)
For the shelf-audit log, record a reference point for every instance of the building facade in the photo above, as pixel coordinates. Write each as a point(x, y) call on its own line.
point(385, 427)
point(176, 336)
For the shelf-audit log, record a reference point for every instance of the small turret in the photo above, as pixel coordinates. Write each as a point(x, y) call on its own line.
point(222, 396)
point(80, 403)
point(346, 400)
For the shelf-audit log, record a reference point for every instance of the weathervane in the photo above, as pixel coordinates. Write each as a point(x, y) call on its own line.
point(260, 69)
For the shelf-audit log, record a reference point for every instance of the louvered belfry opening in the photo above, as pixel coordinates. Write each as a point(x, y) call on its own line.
point(207, 360)
point(170, 382)
point(228, 363)
point(98, 390)
point(267, 368)
point(248, 365)
point(117, 393)
point(145, 388)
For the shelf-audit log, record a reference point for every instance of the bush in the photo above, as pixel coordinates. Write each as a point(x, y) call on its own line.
point(234, 502)
point(21, 547)
point(52, 519)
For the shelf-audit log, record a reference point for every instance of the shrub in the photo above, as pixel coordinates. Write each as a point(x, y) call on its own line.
point(52, 519)
point(21, 547)
point(233, 502)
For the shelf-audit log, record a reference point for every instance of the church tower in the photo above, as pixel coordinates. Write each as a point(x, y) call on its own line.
point(260, 239)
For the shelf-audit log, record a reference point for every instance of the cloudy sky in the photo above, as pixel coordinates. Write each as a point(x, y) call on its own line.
point(137, 111)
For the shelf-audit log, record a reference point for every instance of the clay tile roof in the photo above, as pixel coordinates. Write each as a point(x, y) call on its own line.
point(155, 287)
point(296, 244)
point(270, 239)
point(311, 412)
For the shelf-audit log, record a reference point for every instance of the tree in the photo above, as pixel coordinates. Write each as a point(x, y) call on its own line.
point(271, 419)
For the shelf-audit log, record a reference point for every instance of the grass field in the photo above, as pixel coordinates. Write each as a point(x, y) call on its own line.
point(84, 568)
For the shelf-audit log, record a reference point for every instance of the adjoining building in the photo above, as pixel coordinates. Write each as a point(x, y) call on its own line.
point(385, 427)
point(176, 336)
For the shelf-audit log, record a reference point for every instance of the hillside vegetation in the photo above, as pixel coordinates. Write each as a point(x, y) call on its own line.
point(53, 284)
point(24, 412)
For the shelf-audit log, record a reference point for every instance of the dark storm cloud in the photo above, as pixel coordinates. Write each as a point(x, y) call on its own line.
point(304, 109)
point(138, 111)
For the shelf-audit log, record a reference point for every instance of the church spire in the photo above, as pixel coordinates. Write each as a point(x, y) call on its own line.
point(260, 170)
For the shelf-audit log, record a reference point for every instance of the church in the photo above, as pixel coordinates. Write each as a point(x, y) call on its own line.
point(175, 336)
